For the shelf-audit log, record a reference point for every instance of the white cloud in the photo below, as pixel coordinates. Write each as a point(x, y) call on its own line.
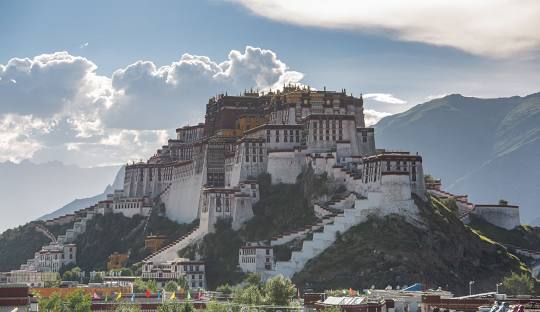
point(17, 133)
point(499, 28)
point(177, 93)
point(384, 98)
point(56, 107)
point(372, 116)
point(435, 96)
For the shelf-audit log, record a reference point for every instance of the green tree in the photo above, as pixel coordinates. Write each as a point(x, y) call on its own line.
point(171, 286)
point(127, 307)
point(78, 301)
point(279, 290)
point(126, 272)
point(175, 306)
point(503, 202)
point(97, 278)
point(249, 295)
point(225, 289)
point(54, 303)
point(72, 275)
point(253, 279)
point(214, 306)
point(518, 284)
point(152, 285)
point(139, 286)
point(182, 282)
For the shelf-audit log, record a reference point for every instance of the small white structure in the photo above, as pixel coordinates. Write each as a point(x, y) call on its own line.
point(254, 257)
point(504, 216)
point(51, 258)
point(192, 271)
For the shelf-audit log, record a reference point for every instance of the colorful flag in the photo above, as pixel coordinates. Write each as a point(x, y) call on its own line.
point(118, 296)
point(148, 293)
point(159, 294)
point(95, 296)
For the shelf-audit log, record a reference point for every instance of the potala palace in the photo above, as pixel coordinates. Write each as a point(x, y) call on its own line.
point(209, 172)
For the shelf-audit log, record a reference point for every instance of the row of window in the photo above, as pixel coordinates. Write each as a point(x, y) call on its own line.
point(328, 123)
point(288, 136)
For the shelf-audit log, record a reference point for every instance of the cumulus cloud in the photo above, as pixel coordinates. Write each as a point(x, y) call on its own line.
point(56, 107)
point(497, 28)
point(17, 136)
point(384, 98)
point(372, 116)
point(178, 92)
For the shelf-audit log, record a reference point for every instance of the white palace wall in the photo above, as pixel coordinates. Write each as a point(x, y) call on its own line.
point(506, 217)
point(182, 198)
point(284, 167)
point(392, 194)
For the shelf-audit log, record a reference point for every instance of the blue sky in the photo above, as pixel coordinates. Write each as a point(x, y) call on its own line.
point(367, 53)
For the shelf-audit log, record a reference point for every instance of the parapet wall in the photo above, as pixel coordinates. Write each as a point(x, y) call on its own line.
point(506, 217)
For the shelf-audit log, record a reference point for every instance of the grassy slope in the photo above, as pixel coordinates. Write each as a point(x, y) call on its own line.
point(526, 237)
point(389, 251)
point(115, 232)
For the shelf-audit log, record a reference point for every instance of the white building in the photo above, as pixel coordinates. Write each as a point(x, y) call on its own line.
point(192, 271)
point(256, 258)
point(31, 278)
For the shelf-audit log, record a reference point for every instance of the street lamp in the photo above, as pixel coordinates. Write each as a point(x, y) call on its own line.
point(470, 287)
point(498, 285)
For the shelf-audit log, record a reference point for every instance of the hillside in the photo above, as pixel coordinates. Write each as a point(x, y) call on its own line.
point(82, 203)
point(487, 148)
point(525, 237)
point(391, 251)
point(104, 235)
point(20, 243)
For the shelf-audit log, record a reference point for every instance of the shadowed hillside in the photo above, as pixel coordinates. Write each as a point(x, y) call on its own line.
point(487, 148)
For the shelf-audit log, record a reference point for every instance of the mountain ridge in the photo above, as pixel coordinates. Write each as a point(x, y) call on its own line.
point(476, 145)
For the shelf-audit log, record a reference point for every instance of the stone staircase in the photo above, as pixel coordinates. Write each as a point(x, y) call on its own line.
point(79, 227)
point(323, 239)
point(170, 251)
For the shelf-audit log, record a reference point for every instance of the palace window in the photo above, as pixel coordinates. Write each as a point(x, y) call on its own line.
point(413, 171)
point(260, 158)
point(277, 136)
point(218, 207)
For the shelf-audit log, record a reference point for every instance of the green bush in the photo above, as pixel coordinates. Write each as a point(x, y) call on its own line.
point(77, 301)
point(127, 307)
point(518, 284)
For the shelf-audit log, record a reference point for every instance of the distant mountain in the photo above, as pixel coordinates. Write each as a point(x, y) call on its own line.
point(77, 204)
point(487, 148)
point(29, 190)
